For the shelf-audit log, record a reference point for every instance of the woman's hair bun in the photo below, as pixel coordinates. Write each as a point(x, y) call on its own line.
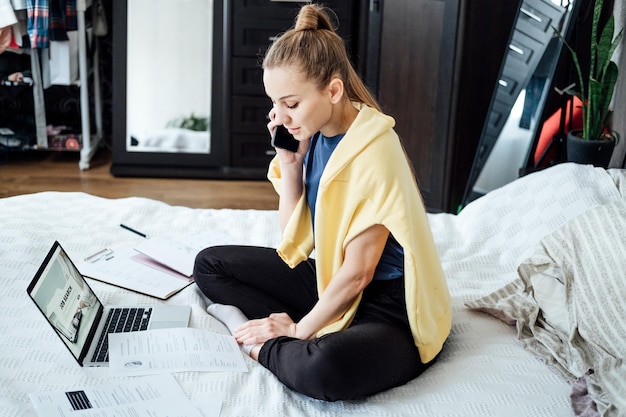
point(313, 17)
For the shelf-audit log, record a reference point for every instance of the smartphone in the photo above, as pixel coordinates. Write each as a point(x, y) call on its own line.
point(281, 138)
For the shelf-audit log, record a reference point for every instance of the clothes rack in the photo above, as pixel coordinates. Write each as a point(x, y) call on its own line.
point(90, 142)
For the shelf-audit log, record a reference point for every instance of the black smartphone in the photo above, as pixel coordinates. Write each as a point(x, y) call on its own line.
point(281, 138)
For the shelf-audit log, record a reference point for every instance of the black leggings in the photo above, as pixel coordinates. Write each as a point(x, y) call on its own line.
point(376, 352)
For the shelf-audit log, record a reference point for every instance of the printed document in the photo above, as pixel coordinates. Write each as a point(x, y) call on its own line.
point(151, 396)
point(159, 267)
point(124, 267)
point(173, 350)
point(180, 254)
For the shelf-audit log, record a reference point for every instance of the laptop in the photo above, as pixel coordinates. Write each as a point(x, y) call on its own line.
point(81, 320)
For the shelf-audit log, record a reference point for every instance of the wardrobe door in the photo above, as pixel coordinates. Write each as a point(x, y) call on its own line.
point(414, 87)
point(439, 63)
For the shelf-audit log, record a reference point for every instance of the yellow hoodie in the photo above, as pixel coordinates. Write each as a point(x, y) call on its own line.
point(368, 181)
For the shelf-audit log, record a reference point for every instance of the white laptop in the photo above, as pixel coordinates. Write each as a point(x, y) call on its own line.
point(81, 320)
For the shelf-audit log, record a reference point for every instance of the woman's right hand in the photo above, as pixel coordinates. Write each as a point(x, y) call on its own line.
point(291, 172)
point(287, 157)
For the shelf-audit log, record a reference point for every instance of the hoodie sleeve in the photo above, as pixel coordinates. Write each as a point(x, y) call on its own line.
point(297, 241)
point(273, 174)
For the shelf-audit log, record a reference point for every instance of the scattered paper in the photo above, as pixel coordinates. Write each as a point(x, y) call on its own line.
point(173, 350)
point(176, 255)
point(119, 267)
point(180, 253)
point(152, 396)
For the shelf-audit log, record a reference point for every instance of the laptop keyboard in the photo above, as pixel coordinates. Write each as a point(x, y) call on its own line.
point(120, 320)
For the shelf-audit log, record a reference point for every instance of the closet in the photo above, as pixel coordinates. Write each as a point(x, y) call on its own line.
point(44, 136)
point(225, 93)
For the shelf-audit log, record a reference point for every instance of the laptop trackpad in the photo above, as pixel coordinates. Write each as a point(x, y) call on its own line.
point(165, 317)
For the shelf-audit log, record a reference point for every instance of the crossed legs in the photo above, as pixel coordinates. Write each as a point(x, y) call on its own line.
point(375, 353)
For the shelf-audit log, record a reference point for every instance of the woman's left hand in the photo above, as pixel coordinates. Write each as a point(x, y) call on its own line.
point(261, 330)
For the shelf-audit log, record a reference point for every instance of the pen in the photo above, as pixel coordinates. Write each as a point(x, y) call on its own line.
point(134, 231)
point(108, 253)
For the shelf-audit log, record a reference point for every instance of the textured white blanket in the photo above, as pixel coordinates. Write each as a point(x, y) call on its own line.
point(568, 306)
point(483, 370)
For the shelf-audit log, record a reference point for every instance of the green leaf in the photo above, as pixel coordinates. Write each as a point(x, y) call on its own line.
point(603, 50)
point(597, 12)
point(596, 94)
point(608, 87)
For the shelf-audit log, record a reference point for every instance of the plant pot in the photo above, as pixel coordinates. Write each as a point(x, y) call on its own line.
point(595, 152)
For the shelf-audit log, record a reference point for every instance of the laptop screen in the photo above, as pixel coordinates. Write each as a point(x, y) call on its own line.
point(66, 300)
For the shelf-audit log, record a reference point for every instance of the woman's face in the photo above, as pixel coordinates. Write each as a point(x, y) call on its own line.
point(299, 104)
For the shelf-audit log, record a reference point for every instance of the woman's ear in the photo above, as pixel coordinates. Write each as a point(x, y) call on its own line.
point(336, 90)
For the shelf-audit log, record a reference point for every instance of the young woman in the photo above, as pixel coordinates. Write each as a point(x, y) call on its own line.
point(371, 311)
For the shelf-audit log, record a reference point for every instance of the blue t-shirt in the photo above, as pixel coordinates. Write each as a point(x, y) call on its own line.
point(391, 264)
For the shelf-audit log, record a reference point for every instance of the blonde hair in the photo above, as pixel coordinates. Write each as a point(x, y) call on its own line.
point(314, 47)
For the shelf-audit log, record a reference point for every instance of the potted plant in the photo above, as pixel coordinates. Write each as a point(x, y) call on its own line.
point(594, 143)
point(193, 122)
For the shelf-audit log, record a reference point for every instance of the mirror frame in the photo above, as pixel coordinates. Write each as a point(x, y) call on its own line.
point(168, 163)
point(484, 145)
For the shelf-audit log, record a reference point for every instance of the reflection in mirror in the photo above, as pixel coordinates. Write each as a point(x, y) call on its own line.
point(169, 76)
point(519, 96)
point(510, 150)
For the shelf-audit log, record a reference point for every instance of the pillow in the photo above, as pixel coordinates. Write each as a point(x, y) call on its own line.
point(619, 178)
point(549, 291)
point(569, 303)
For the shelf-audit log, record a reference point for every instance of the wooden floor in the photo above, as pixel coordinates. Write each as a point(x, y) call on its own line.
point(35, 171)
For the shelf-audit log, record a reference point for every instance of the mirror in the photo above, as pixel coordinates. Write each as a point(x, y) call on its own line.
point(169, 51)
point(169, 94)
point(516, 107)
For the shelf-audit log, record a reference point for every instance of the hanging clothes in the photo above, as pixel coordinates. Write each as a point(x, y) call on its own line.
point(62, 19)
point(12, 24)
point(7, 15)
point(6, 35)
point(50, 20)
point(38, 23)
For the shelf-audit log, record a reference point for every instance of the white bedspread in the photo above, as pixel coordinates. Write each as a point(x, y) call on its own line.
point(483, 370)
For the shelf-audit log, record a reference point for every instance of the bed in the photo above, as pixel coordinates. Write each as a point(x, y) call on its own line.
point(490, 366)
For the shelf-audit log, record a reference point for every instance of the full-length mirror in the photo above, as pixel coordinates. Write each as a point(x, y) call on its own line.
point(519, 96)
point(168, 87)
point(169, 60)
